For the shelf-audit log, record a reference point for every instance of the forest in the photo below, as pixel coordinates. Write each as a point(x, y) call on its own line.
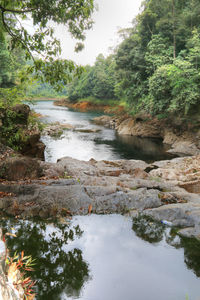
point(156, 67)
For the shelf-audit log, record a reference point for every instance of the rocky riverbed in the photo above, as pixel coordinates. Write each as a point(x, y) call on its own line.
point(168, 190)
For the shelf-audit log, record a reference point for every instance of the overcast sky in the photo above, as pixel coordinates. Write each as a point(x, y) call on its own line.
point(110, 17)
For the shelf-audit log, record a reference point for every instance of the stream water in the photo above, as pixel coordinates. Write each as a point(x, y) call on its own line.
point(103, 144)
point(101, 257)
point(108, 258)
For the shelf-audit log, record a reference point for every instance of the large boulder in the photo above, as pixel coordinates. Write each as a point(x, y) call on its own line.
point(18, 167)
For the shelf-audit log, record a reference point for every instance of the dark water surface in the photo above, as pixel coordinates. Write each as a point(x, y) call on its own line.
point(108, 258)
point(102, 145)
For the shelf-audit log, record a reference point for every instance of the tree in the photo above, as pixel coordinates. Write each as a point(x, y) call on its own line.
point(6, 75)
point(76, 15)
point(158, 53)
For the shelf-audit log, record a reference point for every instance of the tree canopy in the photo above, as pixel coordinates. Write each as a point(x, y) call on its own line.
point(156, 68)
point(41, 46)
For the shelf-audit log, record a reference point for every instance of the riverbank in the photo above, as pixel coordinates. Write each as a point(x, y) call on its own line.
point(86, 106)
point(182, 136)
point(167, 189)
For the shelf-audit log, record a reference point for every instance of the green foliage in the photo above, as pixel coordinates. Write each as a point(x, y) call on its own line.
point(6, 74)
point(158, 62)
point(158, 53)
point(97, 81)
point(174, 88)
point(11, 134)
point(76, 16)
point(38, 90)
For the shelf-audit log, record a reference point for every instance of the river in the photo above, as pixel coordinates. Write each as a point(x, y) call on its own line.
point(104, 144)
point(103, 257)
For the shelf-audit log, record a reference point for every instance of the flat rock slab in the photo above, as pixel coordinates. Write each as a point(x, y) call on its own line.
point(119, 186)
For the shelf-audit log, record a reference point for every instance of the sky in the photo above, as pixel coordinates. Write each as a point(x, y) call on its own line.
point(111, 16)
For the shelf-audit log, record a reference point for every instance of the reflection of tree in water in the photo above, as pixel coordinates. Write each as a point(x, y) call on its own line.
point(56, 270)
point(147, 229)
point(154, 232)
point(192, 254)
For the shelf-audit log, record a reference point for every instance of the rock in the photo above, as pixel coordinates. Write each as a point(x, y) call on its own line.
point(56, 130)
point(26, 140)
point(192, 186)
point(33, 147)
point(6, 152)
point(178, 214)
point(184, 148)
point(142, 129)
point(119, 186)
point(22, 112)
point(18, 167)
point(89, 130)
point(179, 170)
point(180, 136)
point(103, 120)
point(126, 127)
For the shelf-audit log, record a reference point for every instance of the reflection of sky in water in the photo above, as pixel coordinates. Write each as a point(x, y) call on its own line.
point(104, 259)
point(104, 144)
point(123, 266)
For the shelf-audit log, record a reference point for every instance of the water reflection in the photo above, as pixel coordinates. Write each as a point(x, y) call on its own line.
point(56, 269)
point(103, 144)
point(154, 232)
point(133, 147)
point(108, 257)
point(148, 230)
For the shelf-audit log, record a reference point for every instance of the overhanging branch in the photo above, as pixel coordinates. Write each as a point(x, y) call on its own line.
point(16, 11)
point(15, 36)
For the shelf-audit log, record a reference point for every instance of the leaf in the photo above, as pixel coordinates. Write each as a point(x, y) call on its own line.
point(89, 209)
point(11, 234)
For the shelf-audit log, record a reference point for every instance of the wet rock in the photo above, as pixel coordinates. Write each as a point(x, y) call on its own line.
point(89, 130)
point(56, 130)
point(106, 121)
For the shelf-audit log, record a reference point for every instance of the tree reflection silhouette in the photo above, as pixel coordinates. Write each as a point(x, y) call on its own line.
point(56, 270)
point(154, 232)
point(147, 229)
